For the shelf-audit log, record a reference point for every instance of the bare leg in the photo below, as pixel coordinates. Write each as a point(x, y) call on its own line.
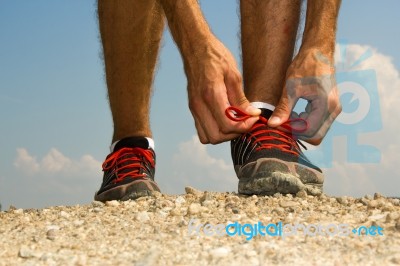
point(269, 31)
point(131, 31)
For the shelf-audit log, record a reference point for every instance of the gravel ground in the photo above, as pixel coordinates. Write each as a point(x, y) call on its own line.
point(158, 230)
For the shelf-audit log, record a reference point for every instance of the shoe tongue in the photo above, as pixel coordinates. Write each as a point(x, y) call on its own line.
point(266, 113)
point(132, 142)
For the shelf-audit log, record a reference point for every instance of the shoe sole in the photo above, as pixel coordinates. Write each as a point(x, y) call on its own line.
point(131, 191)
point(268, 176)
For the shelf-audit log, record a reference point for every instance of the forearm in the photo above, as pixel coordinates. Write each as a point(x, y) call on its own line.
point(188, 27)
point(320, 28)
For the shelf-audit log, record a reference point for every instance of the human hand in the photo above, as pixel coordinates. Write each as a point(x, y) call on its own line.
point(214, 84)
point(311, 77)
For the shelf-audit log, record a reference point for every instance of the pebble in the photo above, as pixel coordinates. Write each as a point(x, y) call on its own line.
point(89, 234)
point(279, 210)
point(52, 227)
point(220, 252)
point(373, 204)
point(376, 217)
point(97, 204)
point(288, 204)
point(194, 208)
point(342, 200)
point(397, 226)
point(378, 195)
point(142, 216)
point(51, 234)
point(156, 194)
point(97, 209)
point(364, 201)
point(113, 203)
point(64, 214)
point(25, 252)
point(369, 197)
point(18, 211)
point(302, 194)
point(180, 200)
point(193, 191)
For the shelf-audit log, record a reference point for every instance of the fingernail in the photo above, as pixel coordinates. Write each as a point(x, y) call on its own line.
point(253, 111)
point(274, 120)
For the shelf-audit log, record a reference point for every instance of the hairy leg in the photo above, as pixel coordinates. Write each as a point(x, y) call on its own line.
point(269, 29)
point(131, 31)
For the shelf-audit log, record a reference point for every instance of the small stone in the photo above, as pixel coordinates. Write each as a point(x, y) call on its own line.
point(206, 197)
point(25, 252)
point(288, 204)
point(79, 222)
point(97, 209)
point(112, 203)
point(208, 203)
point(64, 214)
point(220, 252)
point(322, 196)
point(369, 197)
point(52, 227)
point(180, 200)
point(193, 191)
point(156, 194)
point(394, 216)
point(364, 201)
point(18, 211)
point(342, 200)
point(162, 214)
point(277, 195)
point(142, 216)
point(278, 210)
point(97, 204)
point(194, 208)
point(376, 217)
point(397, 226)
point(378, 195)
point(373, 204)
point(175, 212)
point(395, 201)
point(332, 200)
point(235, 210)
point(302, 194)
point(51, 234)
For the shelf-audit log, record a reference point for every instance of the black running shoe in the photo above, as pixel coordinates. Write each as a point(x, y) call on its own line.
point(268, 160)
point(128, 171)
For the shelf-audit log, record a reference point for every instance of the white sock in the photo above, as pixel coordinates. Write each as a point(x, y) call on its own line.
point(150, 140)
point(263, 105)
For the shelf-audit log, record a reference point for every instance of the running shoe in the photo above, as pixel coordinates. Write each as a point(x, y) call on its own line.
point(128, 171)
point(269, 160)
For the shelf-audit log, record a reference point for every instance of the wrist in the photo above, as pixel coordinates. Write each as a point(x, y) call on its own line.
point(317, 41)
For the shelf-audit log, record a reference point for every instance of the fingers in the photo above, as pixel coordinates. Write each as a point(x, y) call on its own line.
point(235, 93)
point(285, 106)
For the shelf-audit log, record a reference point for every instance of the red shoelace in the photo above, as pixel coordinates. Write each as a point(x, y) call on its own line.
point(263, 136)
point(128, 159)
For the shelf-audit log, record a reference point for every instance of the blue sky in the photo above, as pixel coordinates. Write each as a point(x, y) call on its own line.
point(55, 121)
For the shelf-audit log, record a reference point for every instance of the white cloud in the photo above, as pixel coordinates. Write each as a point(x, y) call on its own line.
point(194, 166)
point(360, 179)
point(54, 179)
point(54, 162)
point(25, 162)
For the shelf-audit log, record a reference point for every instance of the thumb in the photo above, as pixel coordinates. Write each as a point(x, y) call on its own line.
point(282, 111)
point(248, 108)
point(237, 98)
